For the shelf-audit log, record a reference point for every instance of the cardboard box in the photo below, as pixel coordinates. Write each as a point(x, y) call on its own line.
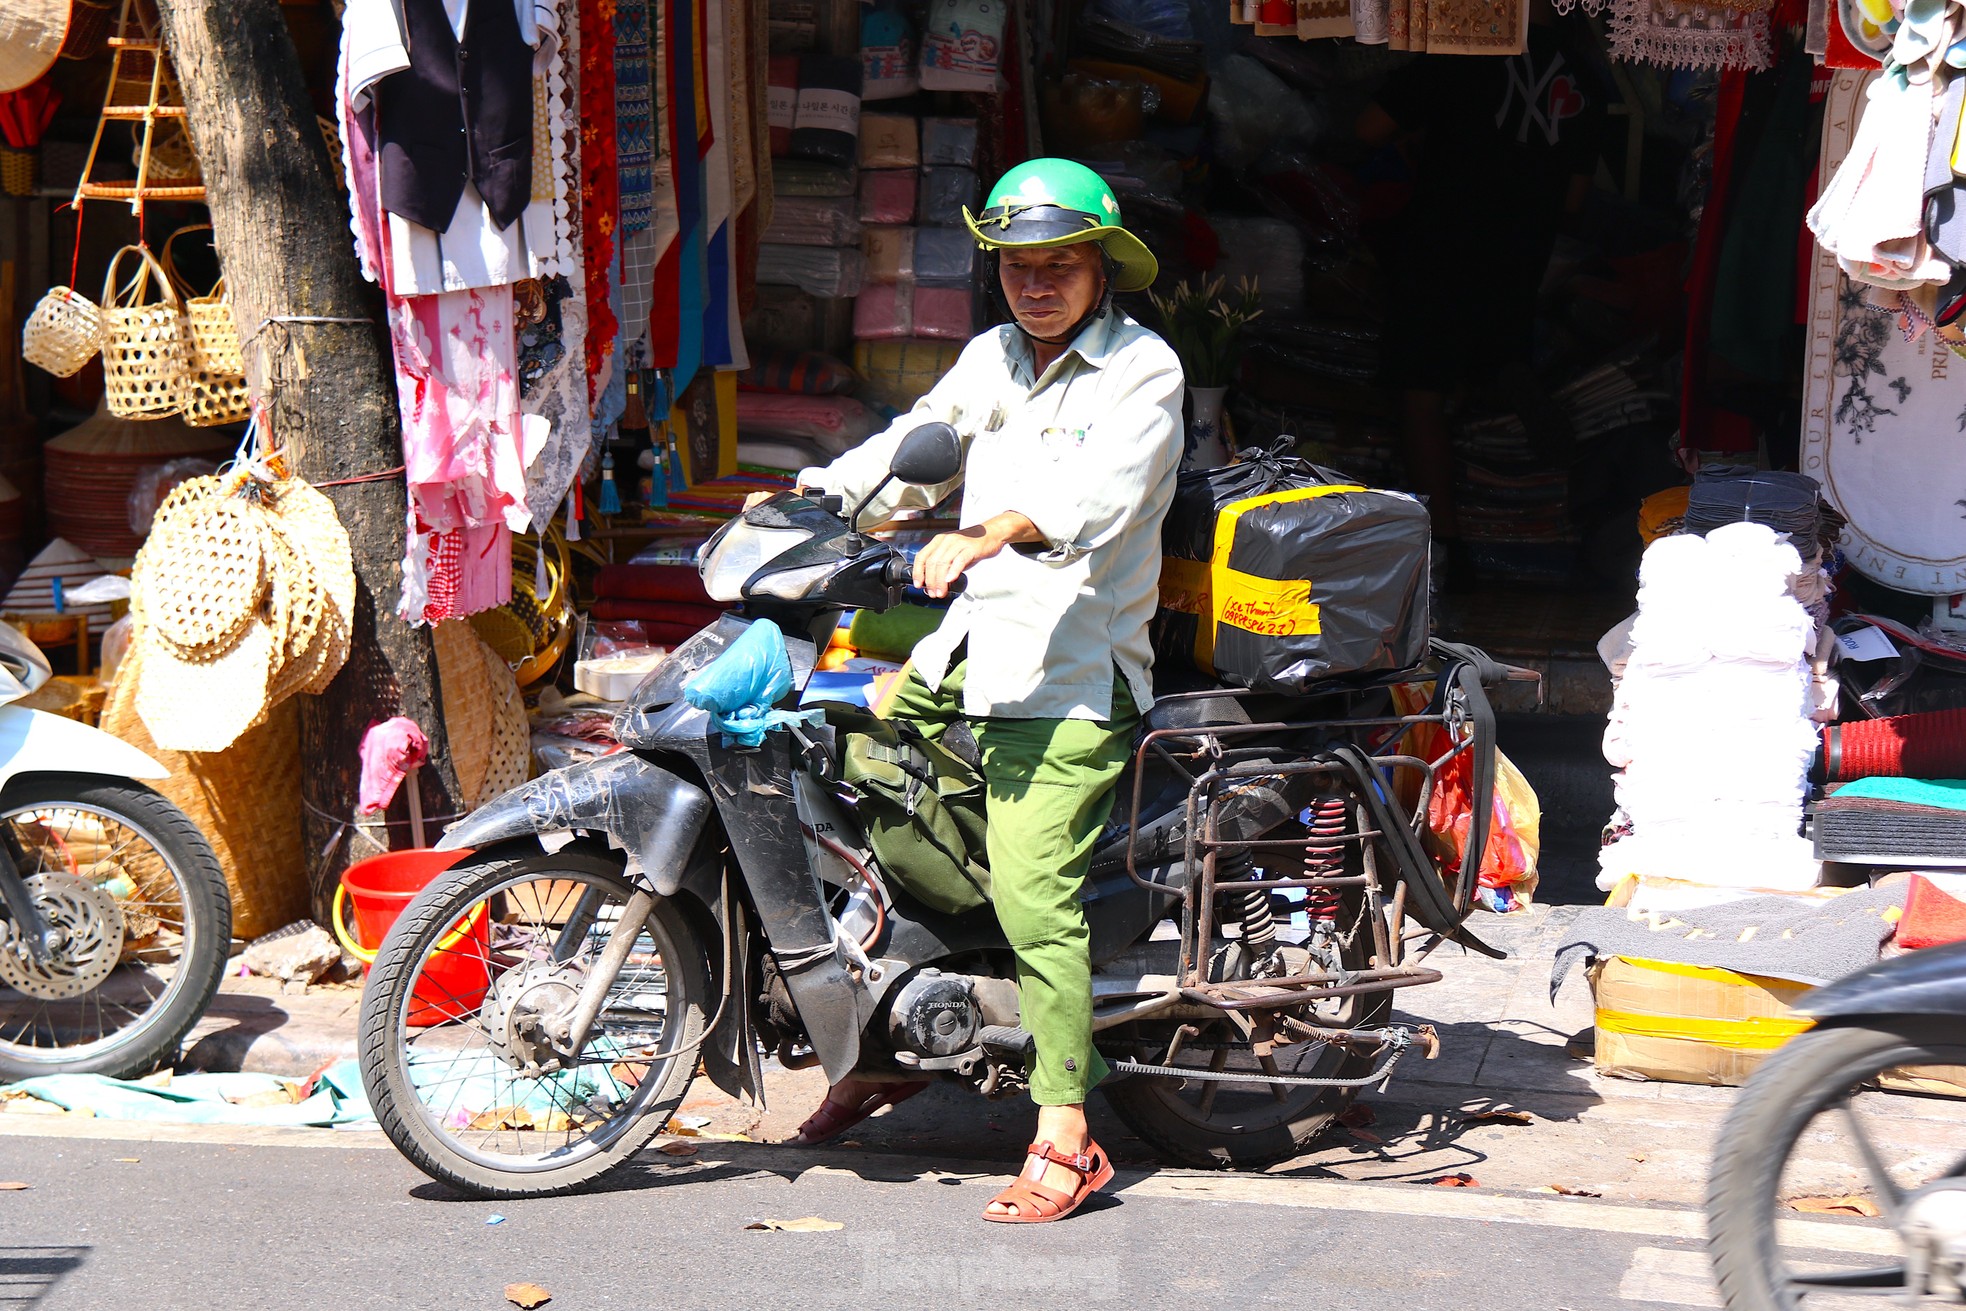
point(1689, 1023)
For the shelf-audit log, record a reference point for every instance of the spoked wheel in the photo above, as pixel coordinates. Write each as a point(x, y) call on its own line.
point(1807, 1095)
point(138, 928)
point(1245, 1125)
point(456, 1050)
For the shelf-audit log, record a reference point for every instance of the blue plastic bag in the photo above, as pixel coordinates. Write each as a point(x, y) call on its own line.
point(741, 686)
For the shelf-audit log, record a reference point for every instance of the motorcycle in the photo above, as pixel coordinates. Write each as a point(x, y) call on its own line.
point(115, 920)
point(1900, 1017)
point(539, 1010)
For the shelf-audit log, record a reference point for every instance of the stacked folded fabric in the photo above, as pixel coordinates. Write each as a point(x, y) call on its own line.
point(1710, 727)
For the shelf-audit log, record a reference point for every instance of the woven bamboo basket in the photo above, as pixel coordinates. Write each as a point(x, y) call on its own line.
point(217, 390)
point(17, 170)
point(484, 715)
point(172, 156)
point(245, 799)
point(63, 333)
point(146, 361)
point(530, 633)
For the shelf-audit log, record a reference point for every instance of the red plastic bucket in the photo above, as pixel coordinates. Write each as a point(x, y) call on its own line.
point(457, 974)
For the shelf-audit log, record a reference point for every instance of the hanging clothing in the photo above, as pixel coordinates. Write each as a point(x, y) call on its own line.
point(600, 195)
point(634, 112)
point(474, 248)
point(1871, 215)
point(461, 112)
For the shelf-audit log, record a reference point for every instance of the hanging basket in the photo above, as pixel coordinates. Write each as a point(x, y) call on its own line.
point(146, 361)
point(63, 333)
point(89, 22)
point(216, 393)
point(17, 171)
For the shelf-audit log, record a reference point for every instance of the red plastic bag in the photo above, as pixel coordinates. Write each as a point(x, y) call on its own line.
point(1507, 878)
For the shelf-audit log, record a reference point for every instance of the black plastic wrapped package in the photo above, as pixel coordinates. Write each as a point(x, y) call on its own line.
point(1278, 575)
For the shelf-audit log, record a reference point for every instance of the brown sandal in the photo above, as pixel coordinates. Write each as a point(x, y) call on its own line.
point(1038, 1204)
point(830, 1121)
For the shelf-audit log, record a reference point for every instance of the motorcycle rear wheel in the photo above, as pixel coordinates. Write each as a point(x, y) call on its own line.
point(1813, 1075)
point(142, 920)
point(436, 1061)
point(1211, 1125)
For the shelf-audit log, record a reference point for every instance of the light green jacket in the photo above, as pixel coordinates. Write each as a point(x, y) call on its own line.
point(1088, 452)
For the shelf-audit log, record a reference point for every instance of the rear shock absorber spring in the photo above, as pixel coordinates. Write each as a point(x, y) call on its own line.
point(1252, 908)
point(1324, 854)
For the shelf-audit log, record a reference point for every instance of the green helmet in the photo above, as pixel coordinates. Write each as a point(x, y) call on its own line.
point(1055, 202)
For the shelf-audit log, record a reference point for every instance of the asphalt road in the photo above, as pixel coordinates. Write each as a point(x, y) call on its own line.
point(225, 1220)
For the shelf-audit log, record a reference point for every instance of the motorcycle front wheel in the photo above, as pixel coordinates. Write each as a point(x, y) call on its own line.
point(138, 921)
point(451, 1053)
point(1808, 1093)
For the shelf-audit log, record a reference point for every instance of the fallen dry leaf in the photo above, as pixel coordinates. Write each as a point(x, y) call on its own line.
point(129, 1160)
point(1497, 1115)
point(13, 1186)
point(1568, 1190)
point(1367, 1136)
point(677, 1149)
point(269, 1097)
point(1852, 1204)
point(1636, 1156)
point(527, 1295)
point(810, 1224)
point(1357, 1116)
point(1455, 1181)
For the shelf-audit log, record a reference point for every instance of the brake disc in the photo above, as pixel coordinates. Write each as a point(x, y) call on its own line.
point(84, 943)
point(520, 1003)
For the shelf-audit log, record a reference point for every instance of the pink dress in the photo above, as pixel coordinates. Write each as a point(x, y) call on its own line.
point(466, 444)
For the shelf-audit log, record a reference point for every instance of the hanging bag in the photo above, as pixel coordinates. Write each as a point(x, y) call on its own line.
point(146, 360)
point(216, 392)
point(63, 333)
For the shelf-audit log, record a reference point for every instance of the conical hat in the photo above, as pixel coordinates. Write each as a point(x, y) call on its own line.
point(31, 33)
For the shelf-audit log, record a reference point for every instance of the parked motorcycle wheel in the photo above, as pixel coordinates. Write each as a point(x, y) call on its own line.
point(444, 1028)
point(141, 921)
point(1784, 1104)
point(1245, 1126)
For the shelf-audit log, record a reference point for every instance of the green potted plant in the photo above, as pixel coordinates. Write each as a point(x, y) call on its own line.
point(1204, 327)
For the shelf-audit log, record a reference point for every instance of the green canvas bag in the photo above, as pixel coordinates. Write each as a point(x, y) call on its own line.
point(923, 809)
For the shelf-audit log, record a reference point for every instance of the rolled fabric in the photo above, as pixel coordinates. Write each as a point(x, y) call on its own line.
point(1929, 745)
point(890, 141)
point(670, 615)
point(888, 195)
point(651, 582)
point(826, 121)
point(781, 100)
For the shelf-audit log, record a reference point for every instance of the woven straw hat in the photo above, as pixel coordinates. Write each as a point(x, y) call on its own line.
point(243, 596)
point(31, 33)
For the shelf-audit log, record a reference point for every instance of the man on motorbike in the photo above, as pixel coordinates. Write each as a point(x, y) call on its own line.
point(1070, 422)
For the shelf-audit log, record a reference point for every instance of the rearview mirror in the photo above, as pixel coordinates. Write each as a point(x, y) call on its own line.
point(928, 455)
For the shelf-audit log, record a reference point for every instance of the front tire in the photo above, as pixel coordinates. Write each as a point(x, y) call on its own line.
point(437, 1046)
point(144, 921)
point(1815, 1073)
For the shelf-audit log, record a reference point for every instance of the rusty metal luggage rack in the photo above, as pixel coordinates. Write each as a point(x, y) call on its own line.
point(1216, 759)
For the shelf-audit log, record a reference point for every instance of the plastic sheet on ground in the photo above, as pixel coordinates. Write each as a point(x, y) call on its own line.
point(232, 1099)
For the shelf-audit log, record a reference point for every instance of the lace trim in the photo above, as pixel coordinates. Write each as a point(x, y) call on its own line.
point(1664, 34)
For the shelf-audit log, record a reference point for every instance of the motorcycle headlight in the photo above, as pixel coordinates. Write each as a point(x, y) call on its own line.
point(792, 584)
point(742, 550)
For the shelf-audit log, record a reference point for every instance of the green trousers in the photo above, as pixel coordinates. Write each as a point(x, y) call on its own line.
point(1049, 787)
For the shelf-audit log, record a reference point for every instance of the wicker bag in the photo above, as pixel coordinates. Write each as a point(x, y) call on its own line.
point(217, 391)
point(63, 334)
point(146, 360)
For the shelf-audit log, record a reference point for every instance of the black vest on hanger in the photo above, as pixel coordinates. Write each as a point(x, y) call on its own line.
point(461, 110)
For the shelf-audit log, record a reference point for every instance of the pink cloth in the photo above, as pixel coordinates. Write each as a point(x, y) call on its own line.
point(466, 444)
point(390, 750)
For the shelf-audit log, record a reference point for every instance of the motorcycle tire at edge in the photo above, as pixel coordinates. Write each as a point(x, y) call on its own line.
point(445, 900)
point(1774, 1107)
point(207, 913)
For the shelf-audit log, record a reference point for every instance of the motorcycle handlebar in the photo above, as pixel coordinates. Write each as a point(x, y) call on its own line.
point(901, 573)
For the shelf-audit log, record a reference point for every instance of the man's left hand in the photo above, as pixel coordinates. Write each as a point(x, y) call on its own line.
point(948, 555)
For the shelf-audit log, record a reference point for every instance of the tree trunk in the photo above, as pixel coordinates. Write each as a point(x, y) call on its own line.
point(281, 229)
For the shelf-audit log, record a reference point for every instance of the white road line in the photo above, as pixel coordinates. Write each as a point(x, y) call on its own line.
point(1677, 1277)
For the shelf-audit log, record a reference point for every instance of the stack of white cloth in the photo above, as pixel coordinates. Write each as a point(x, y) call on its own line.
point(1710, 728)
